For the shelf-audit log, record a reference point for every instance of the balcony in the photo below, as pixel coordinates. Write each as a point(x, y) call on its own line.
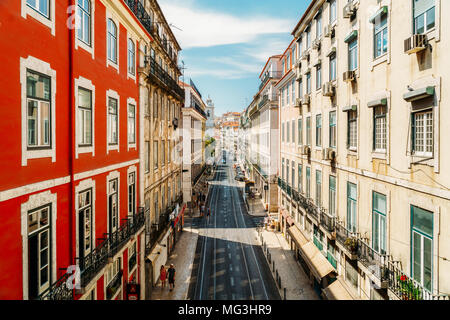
point(347, 240)
point(373, 264)
point(160, 76)
point(269, 75)
point(328, 222)
point(94, 262)
point(114, 285)
point(405, 288)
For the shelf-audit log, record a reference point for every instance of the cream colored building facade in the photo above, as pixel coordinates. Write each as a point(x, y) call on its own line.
point(368, 178)
point(161, 99)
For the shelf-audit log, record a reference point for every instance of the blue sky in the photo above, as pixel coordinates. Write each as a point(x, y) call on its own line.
point(227, 42)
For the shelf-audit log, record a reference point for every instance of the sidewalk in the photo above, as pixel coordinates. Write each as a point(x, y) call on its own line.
point(182, 258)
point(293, 278)
point(255, 207)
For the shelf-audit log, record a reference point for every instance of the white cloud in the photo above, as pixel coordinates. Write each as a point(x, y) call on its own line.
point(206, 28)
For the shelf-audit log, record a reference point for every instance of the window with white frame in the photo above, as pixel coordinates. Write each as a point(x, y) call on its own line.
point(113, 210)
point(112, 41)
point(41, 6)
point(308, 83)
point(379, 137)
point(380, 35)
point(113, 121)
point(318, 130)
point(131, 124)
point(300, 131)
point(300, 178)
point(333, 132)
point(287, 171)
point(318, 188)
point(318, 26)
point(38, 110)
point(86, 220)
point(293, 131)
point(39, 251)
point(288, 131)
point(131, 57)
point(293, 92)
point(332, 196)
point(308, 182)
point(132, 193)
point(422, 126)
point(424, 14)
point(333, 67)
point(351, 207)
point(85, 117)
point(319, 77)
point(112, 278)
point(379, 222)
point(308, 131)
point(132, 256)
point(333, 11)
point(353, 55)
point(282, 131)
point(288, 89)
point(84, 18)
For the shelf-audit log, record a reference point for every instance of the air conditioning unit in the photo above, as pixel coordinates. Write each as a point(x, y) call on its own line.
point(298, 63)
point(316, 44)
point(298, 102)
point(416, 43)
point(349, 10)
point(305, 55)
point(306, 150)
point(349, 76)
point(306, 99)
point(329, 31)
point(299, 75)
point(328, 89)
point(331, 154)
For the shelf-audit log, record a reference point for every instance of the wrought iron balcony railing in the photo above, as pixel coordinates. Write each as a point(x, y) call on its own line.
point(91, 264)
point(269, 75)
point(157, 71)
point(373, 260)
point(406, 288)
point(114, 285)
point(346, 238)
point(327, 221)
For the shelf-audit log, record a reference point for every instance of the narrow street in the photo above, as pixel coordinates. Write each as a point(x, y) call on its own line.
point(228, 263)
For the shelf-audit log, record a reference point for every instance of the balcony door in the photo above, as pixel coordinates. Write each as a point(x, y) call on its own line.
point(85, 226)
point(113, 210)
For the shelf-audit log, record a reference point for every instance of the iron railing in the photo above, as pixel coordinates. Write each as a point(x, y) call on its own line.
point(327, 221)
point(157, 71)
point(91, 264)
point(269, 75)
point(373, 260)
point(114, 285)
point(346, 238)
point(406, 288)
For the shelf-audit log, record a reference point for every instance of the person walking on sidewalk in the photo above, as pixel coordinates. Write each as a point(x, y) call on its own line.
point(171, 273)
point(163, 276)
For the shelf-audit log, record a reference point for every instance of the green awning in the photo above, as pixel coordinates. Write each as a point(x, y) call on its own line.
point(383, 10)
point(352, 107)
point(352, 35)
point(419, 94)
point(378, 102)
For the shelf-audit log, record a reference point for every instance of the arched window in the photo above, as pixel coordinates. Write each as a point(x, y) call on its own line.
point(131, 57)
point(84, 18)
point(112, 41)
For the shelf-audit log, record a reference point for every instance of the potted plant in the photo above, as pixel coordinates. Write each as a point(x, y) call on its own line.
point(408, 291)
point(351, 244)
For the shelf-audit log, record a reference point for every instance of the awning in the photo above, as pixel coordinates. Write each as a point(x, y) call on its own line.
point(331, 52)
point(155, 253)
point(377, 102)
point(419, 94)
point(337, 291)
point(380, 12)
point(319, 265)
point(297, 236)
point(352, 35)
point(352, 107)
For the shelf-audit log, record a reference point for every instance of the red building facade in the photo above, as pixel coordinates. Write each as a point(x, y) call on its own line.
point(69, 183)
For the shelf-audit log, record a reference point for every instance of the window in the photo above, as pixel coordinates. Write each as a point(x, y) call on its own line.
point(282, 132)
point(288, 131)
point(131, 57)
point(287, 171)
point(293, 131)
point(332, 129)
point(156, 205)
point(38, 113)
point(85, 226)
point(131, 193)
point(333, 11)
point(380, 36)
point(112, 41)
point(319, 77)
point(85, 116)
point(308, 37)
point(333, 67)
point(84, 18)
point(41, 6)
point(293, 174)
point(318, 26)
point(352, 133)
point(282, 169)
point(155, 154)
point(308, 182)
point(112, 121)
point(353, 55)
point(112, 278)
point(332, 196)
point(293, 91)
point(300, 131)
point(308, 83)
point(318, 238)
point(131, 124)
point(132, 254)
point(147, 156)
point(379, 222)
point(163, 153)
point(288, 89)
point(155, 105)
point(308, 131)
point(319, 130)
point(318, 188)
point(424, 15)
point(113, 209)
point(39, 253)
point(300, 88)
point(379, 128)
point(351, 207)
point(351, 274)
point(300, 178)
point(422, 246)
point(423, 133)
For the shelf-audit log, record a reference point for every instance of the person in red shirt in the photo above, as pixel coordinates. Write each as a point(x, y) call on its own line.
point(163, 276)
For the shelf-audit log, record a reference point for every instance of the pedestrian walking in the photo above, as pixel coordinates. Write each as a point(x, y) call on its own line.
point(171, 273)
point(163, 276)
point(209, 212)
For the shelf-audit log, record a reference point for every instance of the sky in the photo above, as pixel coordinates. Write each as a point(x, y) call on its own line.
point(226, 43)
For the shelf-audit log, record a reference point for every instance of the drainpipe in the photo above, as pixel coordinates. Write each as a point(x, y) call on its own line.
point(71, 137)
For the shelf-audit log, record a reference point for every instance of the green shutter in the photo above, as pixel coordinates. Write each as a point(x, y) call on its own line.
point(383, 10)
point(352, 35)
